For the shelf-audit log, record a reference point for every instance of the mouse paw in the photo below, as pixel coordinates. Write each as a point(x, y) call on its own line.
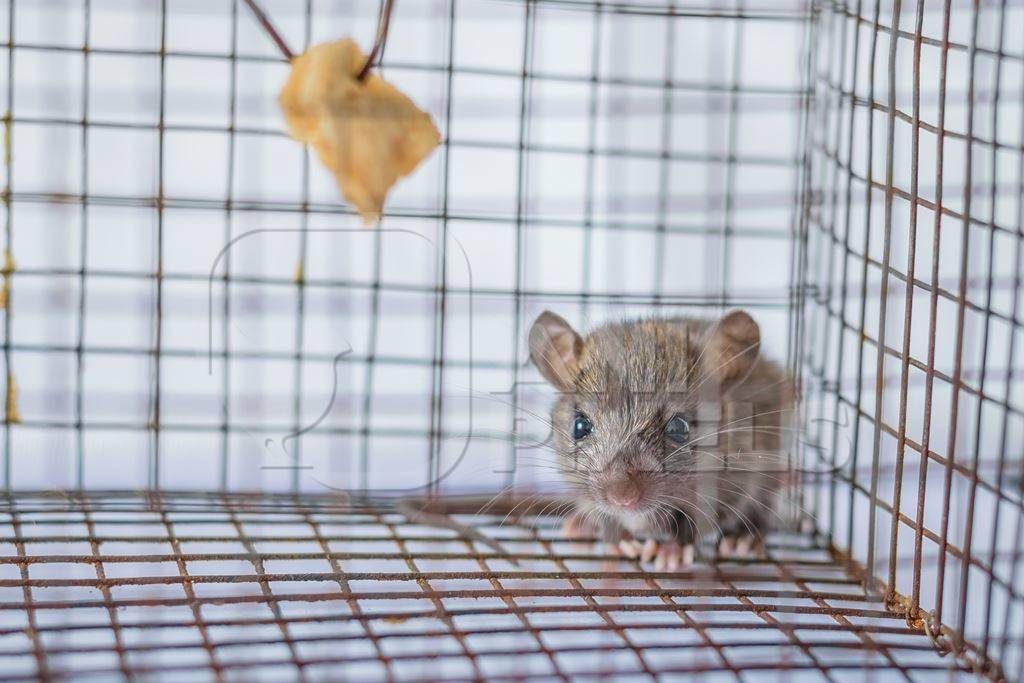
point(741, 546)
point(645, 551)
point(672, 556)
point(667, 556)
point(575, 527)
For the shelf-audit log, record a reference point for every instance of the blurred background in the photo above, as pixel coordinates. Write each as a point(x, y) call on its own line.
point(158, 211)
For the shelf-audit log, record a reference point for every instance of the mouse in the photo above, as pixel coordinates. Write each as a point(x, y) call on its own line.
point(667, 429)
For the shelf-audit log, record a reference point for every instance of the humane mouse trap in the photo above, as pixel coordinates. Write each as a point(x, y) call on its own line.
point(248, 437)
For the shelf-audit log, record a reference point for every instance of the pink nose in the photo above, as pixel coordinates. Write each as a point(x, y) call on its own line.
point(625, 494)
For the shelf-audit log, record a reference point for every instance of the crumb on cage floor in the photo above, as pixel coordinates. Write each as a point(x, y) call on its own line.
point(235, 587)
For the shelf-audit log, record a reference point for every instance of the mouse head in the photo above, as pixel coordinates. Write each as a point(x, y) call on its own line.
point(625, 425)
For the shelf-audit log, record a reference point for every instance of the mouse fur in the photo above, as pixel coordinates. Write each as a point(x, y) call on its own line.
point(628, 379)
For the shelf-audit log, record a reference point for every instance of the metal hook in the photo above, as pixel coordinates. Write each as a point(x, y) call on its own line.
point(271, 31)
point(383, 22)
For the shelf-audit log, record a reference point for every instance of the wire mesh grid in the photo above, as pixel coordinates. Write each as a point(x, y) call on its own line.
point(203, 282)
point(188, 306)
point(913, 337)
point(267, 587)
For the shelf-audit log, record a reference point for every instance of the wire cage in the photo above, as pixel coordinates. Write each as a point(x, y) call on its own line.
point(217, 382)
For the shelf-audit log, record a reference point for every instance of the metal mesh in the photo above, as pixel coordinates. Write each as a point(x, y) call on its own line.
point(913, 344)
point(205, 290)
point(239, 586)
point(189, 307)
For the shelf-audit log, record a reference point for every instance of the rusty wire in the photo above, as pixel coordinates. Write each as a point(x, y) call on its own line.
point(203, 577)
point(929, 522)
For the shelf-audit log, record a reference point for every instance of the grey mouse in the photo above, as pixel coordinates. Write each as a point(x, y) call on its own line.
point(664, 428)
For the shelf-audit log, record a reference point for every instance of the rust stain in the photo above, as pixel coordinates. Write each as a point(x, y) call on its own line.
point(13, 414)
point(8, 269)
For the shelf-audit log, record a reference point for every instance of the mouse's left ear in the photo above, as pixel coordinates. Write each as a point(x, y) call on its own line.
point(555, 349)
point(732, 346)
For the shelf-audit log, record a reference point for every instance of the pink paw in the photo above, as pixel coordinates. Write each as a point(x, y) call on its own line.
point(668, 556)
point(633, 549)
point(741, 547)
point(673, 556)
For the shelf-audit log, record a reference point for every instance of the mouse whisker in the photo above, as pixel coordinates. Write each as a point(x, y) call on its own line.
point(541, 418)
point(739, 461)
point(508, 514)
point(765, 387)
point(672, 523)
point(483, 508)
point(778, 432)
point(728, 467)
point(556, 504)
point(743, 519)
point(548, 467)
point(592, 516)
point(750, 417)
point(555, 508)
point(712, 519)
point(742, 492)
point(661, 517)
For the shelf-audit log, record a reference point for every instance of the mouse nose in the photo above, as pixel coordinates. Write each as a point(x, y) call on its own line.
point(624, 494)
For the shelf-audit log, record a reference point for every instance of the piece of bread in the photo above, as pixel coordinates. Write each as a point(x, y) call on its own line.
point(367, 133)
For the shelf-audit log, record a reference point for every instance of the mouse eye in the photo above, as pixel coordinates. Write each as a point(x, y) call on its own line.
point(678, 429)
point(581, 427)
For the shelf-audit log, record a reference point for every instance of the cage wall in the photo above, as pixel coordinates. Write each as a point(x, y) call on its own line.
point(190, 305)
point(912, 335)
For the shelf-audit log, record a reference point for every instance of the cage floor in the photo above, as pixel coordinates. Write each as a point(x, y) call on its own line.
point(231, 587)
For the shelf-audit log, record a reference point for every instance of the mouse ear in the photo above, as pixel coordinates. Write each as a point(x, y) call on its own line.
point(555, 349)
point(732, 346)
